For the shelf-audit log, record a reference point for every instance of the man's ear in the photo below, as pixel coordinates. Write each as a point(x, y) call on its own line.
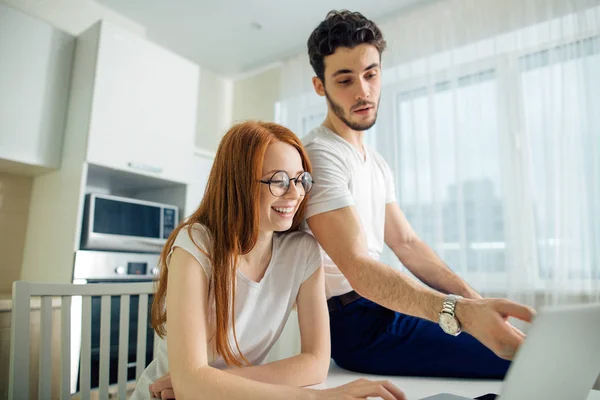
point(318, 85)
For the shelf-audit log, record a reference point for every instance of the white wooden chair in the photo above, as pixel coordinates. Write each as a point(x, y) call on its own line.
point(19, 376)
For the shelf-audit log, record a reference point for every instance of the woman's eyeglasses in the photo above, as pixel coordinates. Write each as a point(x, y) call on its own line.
point(279, 184)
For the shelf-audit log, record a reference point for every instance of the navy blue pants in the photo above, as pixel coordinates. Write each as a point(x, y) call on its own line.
point(369, 338)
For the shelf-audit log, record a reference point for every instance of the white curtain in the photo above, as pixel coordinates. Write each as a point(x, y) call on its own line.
point(490, 120)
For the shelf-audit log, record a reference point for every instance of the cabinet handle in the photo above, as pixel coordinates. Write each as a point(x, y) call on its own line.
point(145, 167)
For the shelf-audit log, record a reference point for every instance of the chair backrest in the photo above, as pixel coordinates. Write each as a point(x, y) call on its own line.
point(19, 377)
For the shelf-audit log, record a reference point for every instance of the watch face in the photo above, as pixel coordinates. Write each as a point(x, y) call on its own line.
point(449, 324)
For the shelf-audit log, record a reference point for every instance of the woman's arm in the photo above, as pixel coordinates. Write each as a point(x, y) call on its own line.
point(187, 312)
point(193, 378)
point(311, 365)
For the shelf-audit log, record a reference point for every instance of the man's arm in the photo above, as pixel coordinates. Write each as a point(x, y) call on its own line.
point(307, 368)
point(340, 234)
point(419, 258)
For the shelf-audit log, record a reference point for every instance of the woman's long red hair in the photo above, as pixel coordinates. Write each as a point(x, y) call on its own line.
point(230, 211)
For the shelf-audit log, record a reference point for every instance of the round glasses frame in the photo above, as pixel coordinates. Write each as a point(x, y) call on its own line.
point(296, 180)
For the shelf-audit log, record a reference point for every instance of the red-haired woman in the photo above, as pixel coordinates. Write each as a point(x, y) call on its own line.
point(230, 274)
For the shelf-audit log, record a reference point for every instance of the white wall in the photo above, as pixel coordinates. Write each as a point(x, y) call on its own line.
point(254, 97)
point(215, 103)
point(73, 16)
point(15, 195)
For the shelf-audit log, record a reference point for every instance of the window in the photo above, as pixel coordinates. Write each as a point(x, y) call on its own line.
point(311, 121)
point(447, 170)
point(560, 89)
point(451, 149)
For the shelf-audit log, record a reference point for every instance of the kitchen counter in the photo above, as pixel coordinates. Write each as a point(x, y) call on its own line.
point(418, 388)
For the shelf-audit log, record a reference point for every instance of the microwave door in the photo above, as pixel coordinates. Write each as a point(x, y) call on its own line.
point(115, 224)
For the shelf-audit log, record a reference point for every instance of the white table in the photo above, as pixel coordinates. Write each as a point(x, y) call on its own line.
point(417, 388)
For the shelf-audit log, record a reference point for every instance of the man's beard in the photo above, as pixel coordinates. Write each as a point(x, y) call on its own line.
point(356, 126)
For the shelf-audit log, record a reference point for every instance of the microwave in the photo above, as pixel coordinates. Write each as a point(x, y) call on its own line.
point(116, 223)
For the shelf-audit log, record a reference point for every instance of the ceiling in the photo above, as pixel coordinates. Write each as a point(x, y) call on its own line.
point(231, 37)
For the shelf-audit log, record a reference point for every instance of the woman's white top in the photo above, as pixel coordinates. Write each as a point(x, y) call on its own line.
point(261, 308)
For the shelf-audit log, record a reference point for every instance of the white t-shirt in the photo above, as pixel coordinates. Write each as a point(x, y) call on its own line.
point(343, 177)
point(261, 308)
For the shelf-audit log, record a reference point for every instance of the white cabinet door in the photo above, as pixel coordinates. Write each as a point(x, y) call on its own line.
point(35, 69)
point(143, 107)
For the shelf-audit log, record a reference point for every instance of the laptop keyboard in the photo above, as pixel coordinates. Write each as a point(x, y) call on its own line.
point(489, 396)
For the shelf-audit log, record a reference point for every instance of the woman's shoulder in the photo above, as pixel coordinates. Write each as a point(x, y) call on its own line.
point(196, 233)
point(196, 240)
point(301, 253)
point(299, 240)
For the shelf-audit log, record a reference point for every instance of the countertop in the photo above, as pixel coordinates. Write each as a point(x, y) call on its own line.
point(417, 388)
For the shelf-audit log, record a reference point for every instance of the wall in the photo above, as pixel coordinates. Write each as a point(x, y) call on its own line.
point(73, 16)
point(254, 97)
point(15, 194)
point(215, 96)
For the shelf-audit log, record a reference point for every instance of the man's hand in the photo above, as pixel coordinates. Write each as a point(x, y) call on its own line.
point(162, 388)
point(487, 321)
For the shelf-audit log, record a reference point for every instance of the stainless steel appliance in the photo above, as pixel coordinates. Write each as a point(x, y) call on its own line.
point(103, 266)
point(122, 224)
point(97, 267)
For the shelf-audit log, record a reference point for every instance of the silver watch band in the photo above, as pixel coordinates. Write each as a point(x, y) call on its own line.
point(449, 305)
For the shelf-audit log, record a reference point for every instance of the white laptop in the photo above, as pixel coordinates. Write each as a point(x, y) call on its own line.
point(559, 360)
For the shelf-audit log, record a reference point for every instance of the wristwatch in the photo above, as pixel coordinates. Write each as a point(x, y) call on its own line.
point(448, 321)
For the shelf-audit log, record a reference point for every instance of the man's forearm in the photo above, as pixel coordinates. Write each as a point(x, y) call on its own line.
point(422, 261)
point(395, 290)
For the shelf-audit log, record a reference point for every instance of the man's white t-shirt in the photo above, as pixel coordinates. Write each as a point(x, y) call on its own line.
point(343, 177)
point(261, 308)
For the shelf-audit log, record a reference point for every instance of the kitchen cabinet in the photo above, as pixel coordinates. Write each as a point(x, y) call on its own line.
point(35, 71)
point(131, 119)
point(143, 104)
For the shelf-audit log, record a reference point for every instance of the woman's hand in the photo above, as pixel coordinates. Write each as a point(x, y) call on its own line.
point(358, 389)
point(362, 389)
point(162, 388)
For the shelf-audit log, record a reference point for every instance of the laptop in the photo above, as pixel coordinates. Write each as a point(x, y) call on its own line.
point(559, 359)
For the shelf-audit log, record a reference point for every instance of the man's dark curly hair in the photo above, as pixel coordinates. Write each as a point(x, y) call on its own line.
point(341, 29)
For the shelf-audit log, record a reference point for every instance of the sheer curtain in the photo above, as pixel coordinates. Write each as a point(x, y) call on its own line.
point(490, 120)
